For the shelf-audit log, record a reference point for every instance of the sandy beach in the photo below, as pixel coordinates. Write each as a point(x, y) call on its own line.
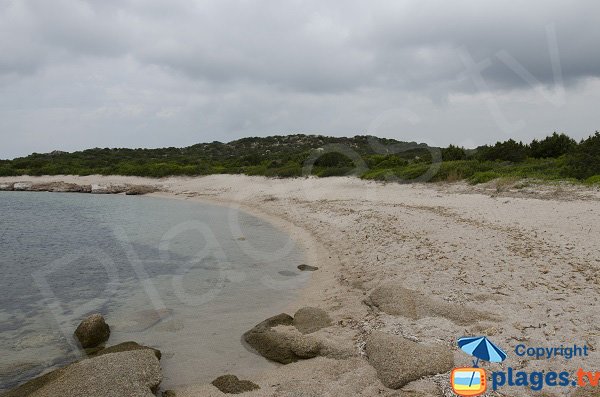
point(518, 264)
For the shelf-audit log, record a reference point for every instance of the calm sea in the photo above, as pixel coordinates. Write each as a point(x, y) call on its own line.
point(185, 277)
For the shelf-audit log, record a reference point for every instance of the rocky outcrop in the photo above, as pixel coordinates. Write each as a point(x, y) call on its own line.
point(311, 319)
point(128, 374)
point(277, 346)
point(231, 384)
point(22, 186)
point(64, 187)
point(92, 331)
point(399, 361)
point(108, 189)
point(60, 187)
point(137, 190)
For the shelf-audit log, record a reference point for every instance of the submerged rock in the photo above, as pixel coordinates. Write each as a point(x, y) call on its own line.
point(307, 268)
point(126, 347)
point(127, 374)
point(399, 361)
point(311, 319)
point(143, 320)
point(287, 273)
point(231, 384)
point(92, 331)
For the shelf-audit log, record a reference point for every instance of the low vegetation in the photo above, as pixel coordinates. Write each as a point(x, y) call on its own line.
point(556, 157)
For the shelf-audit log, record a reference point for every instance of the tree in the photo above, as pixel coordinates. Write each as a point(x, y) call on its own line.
point(584, 161)
point(453, 153)
point(507, 151)
point(552, 146)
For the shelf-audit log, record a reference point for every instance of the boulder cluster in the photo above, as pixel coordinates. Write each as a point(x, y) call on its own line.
point(287, 347)
point(126, 369)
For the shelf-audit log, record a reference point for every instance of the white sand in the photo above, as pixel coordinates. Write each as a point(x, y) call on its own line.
point(531, 262)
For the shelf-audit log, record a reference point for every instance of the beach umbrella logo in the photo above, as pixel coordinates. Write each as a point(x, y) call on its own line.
point(482, 349)
point(473, 381)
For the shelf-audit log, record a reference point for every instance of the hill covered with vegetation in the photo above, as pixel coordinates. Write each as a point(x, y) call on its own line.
point(556, 157)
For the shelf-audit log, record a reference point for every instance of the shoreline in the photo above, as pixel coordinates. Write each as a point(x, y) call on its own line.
point(309, 246)
point(532, 263)
point(307, 295)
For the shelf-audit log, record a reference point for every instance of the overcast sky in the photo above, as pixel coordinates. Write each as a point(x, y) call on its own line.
point(76, 74)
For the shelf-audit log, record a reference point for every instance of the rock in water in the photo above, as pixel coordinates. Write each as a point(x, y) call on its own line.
point(311, 319)
point(125, 374)
point(92, 331)
point(399, 361)
point(230, 384)
point(307, 268)
point(126, 347)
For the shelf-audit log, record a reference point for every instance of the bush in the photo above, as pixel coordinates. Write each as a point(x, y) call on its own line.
point(338, 171)
point(584, 160)
point(593, 180)
point(6, 171)
point(483, 177)
point(551, 147)
point(462, 169)
point(287, 171)
point(386, 161)
point(333, 159)
point(505, 151)
point(453, 153)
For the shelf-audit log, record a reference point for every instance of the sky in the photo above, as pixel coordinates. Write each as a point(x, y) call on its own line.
point(77, 74)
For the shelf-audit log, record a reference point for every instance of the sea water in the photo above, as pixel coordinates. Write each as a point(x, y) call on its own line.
point(185, 277)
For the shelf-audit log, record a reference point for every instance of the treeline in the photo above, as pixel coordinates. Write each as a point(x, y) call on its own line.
point(555, 157)
point(578, 160)
point(284, 156)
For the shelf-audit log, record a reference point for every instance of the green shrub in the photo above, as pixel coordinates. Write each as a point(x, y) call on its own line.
point(338, 171)
point(503, 151)
point(552, 146)
point(333, 159)
point(386, 161)
point(482, 177)
point(288, 171)
point(593, 180)
point(6, 171)
point(584, 161)
point(452, 153)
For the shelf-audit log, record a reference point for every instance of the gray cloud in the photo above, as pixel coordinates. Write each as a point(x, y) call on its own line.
point(77, 73)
